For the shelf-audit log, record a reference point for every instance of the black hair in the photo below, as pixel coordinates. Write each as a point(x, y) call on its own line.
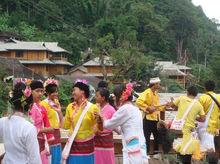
point(118, 91)
point(17, 99)
point(36, 84)
point(83, 87)
point(192, 90)
point(104, 92)
point(103, 84)
point(51, 88)
point(209, 85)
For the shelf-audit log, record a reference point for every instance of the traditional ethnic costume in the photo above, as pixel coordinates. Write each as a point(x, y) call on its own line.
point(189, 144)
point(20, 140)
point(55, 145)
point(82, 149)
point(104, 145)
point(129, 118)
point(39, 116)
point(209, 128)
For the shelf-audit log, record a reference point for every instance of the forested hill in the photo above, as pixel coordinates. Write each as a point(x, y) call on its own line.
point(162, 29)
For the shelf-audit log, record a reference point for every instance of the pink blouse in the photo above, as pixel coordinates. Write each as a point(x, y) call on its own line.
point(39, 116)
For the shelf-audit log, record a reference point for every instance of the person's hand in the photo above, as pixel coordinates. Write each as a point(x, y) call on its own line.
point(57, 106)
point(98, 117)
point(151, 109)
point(171, 99)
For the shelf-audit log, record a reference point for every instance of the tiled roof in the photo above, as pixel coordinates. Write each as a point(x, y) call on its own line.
point(96, 62)
point(23, 45)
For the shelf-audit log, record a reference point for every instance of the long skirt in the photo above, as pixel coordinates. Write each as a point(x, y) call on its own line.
point(55, 151)
point(55, 148)
point(43, 152)
point(104, 149)
point(82, 152)
point(134, 152)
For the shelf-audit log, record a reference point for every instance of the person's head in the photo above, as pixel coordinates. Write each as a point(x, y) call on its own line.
point(123, 93)
point(102, 95)
point(192, 91)
point(209, 85)
point(154, 83)
point(51, 88)
point(37, 90)
point(80, 90)
point(22, 98)
point(103, 84)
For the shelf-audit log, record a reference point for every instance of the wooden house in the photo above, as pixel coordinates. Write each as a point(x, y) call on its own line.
point(179, 73)
point(45, 58)
point(94, 68)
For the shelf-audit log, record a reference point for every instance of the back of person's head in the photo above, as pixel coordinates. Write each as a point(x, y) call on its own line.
point(209, 85)
point(103, 84)
point(21, 97)
point(119, 90)
point(192, 91)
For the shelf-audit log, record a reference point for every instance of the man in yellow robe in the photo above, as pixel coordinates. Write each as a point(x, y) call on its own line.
point(148, 102)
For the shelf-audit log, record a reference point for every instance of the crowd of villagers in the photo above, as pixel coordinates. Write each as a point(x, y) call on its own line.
point(31, 133)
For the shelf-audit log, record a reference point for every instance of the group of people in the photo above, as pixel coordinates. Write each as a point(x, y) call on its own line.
point(197, 119)
point(31, 134)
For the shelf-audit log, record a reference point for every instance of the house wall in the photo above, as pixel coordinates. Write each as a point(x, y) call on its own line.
point(43, 69)
point(56, 69)
point(77, 73)
point(98, 69)
point(25, 55)
point(38, 68)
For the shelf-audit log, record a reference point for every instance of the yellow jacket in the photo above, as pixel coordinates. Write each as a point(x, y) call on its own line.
point(149, 98)
point(206, 102)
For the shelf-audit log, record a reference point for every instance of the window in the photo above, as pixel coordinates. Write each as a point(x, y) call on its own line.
point(19, 54)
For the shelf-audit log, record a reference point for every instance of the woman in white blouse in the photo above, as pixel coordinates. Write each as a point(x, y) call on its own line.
point(18, 134)
point(129, 118)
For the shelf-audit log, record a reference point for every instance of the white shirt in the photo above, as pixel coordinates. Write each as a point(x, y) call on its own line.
point(20, 141)
point(129, 118)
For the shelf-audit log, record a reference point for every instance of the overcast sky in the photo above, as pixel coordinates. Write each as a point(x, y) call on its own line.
point(210, 7)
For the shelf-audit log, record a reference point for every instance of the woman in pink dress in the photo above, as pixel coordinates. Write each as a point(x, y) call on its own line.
point(39, 116)
point(104, 145)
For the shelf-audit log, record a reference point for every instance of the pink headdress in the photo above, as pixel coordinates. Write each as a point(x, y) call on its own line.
point(82, 81)
point(128, 91)
point(50, 81)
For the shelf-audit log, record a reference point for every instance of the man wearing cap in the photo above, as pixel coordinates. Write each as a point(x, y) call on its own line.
point(148, 102)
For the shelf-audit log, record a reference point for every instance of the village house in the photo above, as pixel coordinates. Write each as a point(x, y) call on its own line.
point(179, 73)
point(44, 58)
point(94, 68)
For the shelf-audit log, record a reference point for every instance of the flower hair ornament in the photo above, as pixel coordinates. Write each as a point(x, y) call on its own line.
point(128, 91)
point(82, 81)
point(50, 81)
point(26, 94)
point(24, 81)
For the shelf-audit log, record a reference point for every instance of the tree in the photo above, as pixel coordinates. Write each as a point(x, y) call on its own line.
point(133, 65)
point(4, 93)
point(183, 26)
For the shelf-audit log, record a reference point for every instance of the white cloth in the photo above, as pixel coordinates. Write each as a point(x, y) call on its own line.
point(20, 141)
point(206, 139)
point(129, 118)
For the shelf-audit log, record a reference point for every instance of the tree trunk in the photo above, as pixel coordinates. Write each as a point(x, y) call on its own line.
point(179, 49)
